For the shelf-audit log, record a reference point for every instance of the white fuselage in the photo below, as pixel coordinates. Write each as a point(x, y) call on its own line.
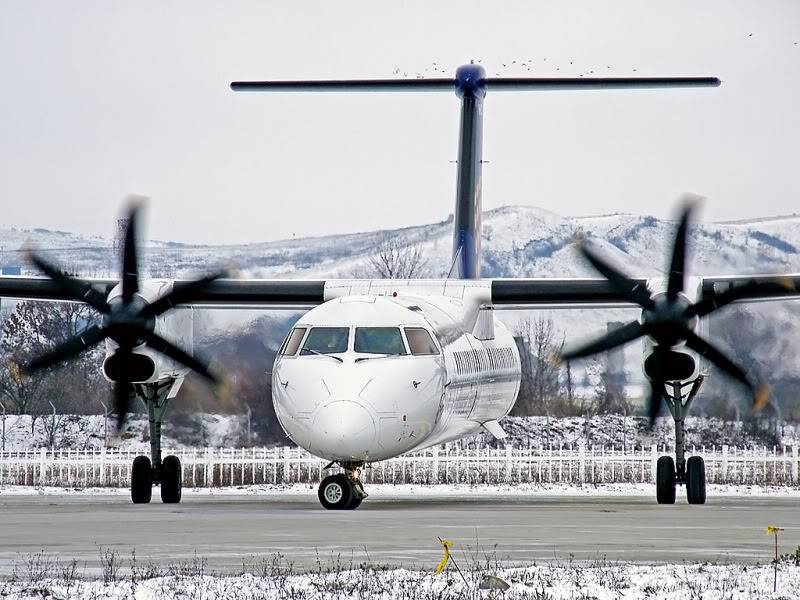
point(369, 406)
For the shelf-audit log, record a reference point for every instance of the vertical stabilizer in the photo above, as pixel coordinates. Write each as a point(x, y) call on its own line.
point(471, 88)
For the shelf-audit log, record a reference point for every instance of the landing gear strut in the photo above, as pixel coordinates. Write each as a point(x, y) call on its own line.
point(147, 472)
point(342, 491)
point(692, 473)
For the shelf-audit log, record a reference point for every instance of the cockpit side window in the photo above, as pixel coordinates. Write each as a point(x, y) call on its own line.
point(420, 341)
point(379, 340)
point(326, 340)
point(292, 342)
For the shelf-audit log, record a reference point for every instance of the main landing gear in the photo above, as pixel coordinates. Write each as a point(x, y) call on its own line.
point(342, 491)
point(149, 471)
point(690, 472)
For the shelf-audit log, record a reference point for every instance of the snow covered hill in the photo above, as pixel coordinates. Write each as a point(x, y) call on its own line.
point(518, 241)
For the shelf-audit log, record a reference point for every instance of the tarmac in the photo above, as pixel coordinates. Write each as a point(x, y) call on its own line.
point(228, 531)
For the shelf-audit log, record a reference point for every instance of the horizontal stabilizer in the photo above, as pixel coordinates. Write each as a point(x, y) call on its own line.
point(447, 84)
point(495, 429)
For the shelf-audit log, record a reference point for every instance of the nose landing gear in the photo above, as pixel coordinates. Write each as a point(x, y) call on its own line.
point(680, 471)
point(343, 491)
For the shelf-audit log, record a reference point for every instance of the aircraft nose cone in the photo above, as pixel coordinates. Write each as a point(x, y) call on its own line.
point(346, 430)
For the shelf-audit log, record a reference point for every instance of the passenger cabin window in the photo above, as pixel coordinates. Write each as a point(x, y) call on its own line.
point(420, 341)
point(379, 340)
point(326, 340)
point(292, 342)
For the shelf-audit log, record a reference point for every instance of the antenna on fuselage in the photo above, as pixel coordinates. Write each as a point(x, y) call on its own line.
point(470, 85)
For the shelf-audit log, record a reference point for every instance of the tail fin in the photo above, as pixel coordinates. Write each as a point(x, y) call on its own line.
point(471, 88)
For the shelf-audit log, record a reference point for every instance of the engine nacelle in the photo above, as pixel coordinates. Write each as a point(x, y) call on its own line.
point(678, 363)
point(144, 365)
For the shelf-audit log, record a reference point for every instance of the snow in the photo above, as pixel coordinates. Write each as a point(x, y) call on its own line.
point(555, 580)
point(229, 431)
point(512, 235)
point(89, 432)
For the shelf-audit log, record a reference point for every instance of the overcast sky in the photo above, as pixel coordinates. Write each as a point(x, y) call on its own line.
point(103, 99)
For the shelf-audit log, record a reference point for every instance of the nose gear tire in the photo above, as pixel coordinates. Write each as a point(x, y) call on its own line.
point(335, 492)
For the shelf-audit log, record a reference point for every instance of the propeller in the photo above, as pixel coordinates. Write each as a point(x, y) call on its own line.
point(127, 319)
point(669, 318)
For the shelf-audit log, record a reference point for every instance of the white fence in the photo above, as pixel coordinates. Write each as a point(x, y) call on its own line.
point(450, 464)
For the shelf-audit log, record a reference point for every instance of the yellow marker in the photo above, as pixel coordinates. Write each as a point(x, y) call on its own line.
point(446, 544)
point(773, 529)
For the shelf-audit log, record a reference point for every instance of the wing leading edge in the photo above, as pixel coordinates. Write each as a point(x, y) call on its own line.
point(232, 293)
point(501, 293)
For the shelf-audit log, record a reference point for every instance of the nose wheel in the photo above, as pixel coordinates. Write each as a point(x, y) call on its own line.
point(342, 491)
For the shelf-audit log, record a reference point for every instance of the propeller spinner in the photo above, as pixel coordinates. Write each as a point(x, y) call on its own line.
point(128, 319)
point(668, 318)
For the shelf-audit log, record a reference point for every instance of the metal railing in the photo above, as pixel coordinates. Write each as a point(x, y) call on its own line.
point(451, 464)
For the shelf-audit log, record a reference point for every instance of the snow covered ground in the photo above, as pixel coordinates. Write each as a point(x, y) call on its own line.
point(272, 578)
point(92, 431)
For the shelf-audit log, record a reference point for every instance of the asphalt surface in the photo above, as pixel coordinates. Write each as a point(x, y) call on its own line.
point(229, 530)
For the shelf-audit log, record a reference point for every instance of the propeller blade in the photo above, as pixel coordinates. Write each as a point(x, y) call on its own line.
point(740, 292)
point(130, 263)
point(618, 337)
point(677, 266)
point(66, 350)
point(168, 349)
point(654, 401)
point(180, 295)
point(631, 289)
point(760, 392)
point(704, 348)
point(79, 290)
point(122, 401)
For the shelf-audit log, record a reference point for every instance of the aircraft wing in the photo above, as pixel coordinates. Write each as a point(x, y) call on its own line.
point(297, 294)
point(233, 293)
point(597, 292)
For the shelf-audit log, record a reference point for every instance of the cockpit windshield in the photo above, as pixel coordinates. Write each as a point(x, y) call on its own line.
point(379, 340)
point(326, 340)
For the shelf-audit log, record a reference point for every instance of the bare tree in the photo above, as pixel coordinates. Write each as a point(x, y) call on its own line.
point(33, 328)
point(540, 377)
point(395, 258)
point(610, 396)
point(569, 385)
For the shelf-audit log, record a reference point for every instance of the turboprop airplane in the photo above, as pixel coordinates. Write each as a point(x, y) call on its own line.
point(377, 368)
